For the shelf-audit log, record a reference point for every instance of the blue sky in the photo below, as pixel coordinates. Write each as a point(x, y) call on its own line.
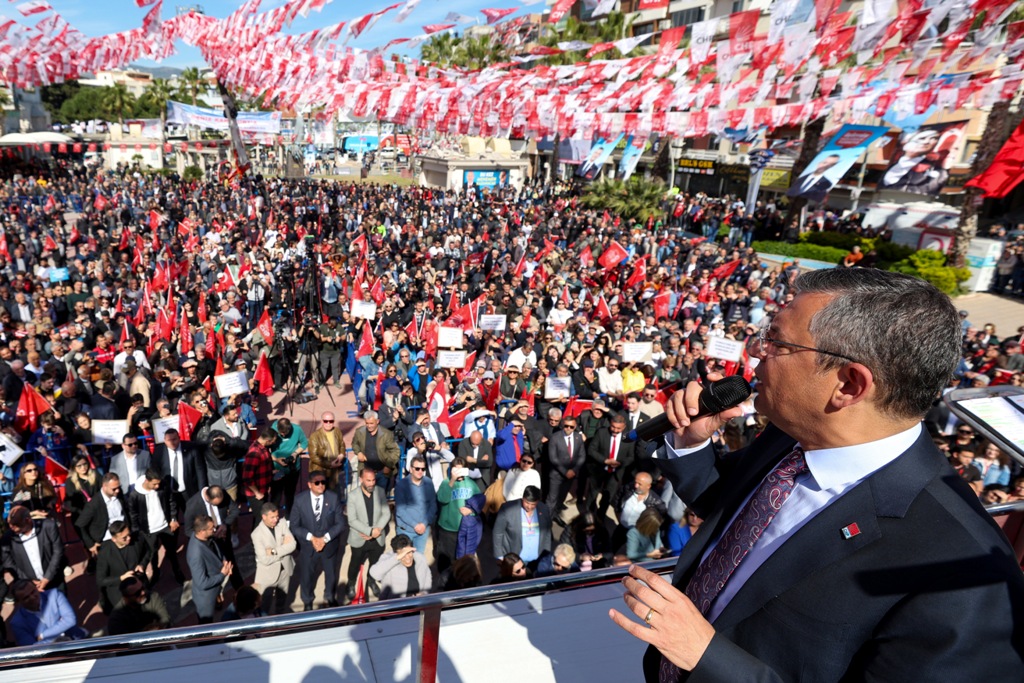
point(98, 17)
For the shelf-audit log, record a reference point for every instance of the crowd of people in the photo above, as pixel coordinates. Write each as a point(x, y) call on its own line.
point(123, 297)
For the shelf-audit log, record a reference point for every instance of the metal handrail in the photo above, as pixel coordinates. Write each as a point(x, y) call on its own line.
point(90, 648)
point(997, 509)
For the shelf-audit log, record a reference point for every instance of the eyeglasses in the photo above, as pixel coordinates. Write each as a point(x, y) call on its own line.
point(964, 431)
point(569, 426)
point(318, 482)
point(29, 470)
point(419, 469)
point(760, 345)
point(526, 462)
point(133, 444)
point(327, 422)
point(558, 566)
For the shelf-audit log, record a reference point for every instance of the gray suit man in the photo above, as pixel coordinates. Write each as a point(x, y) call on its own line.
point(208, 566)
point(368, 518)
point(131, 463)
point(567, 454)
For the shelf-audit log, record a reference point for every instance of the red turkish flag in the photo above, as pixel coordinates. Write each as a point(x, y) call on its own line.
point(613, 255)
point(51, 204)
point(586, 257)
point(725, 270)
point(155, 219)
point(100, 202)
point(601, 311)
point(188, 418)
point(639, 274)
point(518, 272)
point(263, 376)
point(1006, 170)
point(428, 29)
point(495, 15)
point(30, 406)
point(661, 302)
point(366, 343)
point(266, 328)
point(185, 337)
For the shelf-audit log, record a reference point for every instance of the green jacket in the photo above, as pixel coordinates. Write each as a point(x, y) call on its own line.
point(451, 499)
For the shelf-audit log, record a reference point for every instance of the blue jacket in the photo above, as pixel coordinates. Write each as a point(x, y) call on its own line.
point(471, 531)
point(505, 448)
point(54, 618)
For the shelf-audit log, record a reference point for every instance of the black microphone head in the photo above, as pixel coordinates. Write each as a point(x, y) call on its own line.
point(724, 394)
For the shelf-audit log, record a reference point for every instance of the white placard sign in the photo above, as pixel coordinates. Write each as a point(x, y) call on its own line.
point(109, 431)
point(451, 359)
point(364, 309)
point(161, 426)
point(726, 349)
point(449, 337)
point(492, 323)
point(636, 352)
point(231, 384)
point(557, 387)
point(11, 451)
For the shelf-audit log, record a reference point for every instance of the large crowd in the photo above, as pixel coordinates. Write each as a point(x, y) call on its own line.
point(124, 296)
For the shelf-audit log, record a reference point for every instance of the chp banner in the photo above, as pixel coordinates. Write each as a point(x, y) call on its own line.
point(599, 154)
point(834, 160)
point(248, 121)
point(922, 161)
point(630, 156)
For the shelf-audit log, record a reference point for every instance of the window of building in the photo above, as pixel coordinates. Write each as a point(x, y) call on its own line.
point(685, 17)
point(737, 6)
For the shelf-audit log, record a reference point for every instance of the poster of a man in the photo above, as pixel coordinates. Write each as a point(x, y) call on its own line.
point(922, 162)
point(815, 185)
point(834, 160)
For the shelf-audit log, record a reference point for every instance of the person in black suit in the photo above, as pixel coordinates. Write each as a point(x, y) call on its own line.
point(153, 514)
point(182, 467)
point(103, 405)
point(318, 526)
point(566, 455)
point(634, 418)
point(478, 454)
point(121, 556)
point(23, 532)
point(98, 514)
point(840, 545)
point(609, 457)
point(814, 186)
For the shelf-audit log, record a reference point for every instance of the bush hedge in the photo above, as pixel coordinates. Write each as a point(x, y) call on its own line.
point(930, 265)
point(801, 250)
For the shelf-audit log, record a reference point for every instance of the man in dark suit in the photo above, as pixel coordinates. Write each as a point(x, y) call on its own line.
point(839, 545)
point(182, 467)
point(121, 556)
point(609, 457)
point(103, 405)
point(215, 502)
point(318, 526)
point(634, 418)
point(33, 549)
point(814, 186)
point(98, 514)
point(153, 515)
point(208, 567)
point(566, 455)
point(511, 537)
point(478, 454)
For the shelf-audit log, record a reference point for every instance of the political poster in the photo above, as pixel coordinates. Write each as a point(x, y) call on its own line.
point(597, 157)
point(231, 384)
point(364, 309)
point(637, 352)
point(9, 451)
point(492, 323)
point(630, 156)
point(449, 337)
point(161, 425)
point(248, 121)
point(726, 349)
point(572, 151)
point(451, 359)
point(557, 387)
point(923, 158)
point(834, 160)
point(109, 431)
point(488, 179)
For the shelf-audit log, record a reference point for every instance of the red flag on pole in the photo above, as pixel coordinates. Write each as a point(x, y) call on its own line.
point(188, 418)
point(725, 270)
point(263, 376)
point(601, 311)
point(30, 406)
point(661, 302)
point(586, 257)
point(613, 255)
point(266, 328)
point(366, 343)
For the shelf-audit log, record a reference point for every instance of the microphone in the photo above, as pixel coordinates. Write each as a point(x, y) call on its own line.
point(715, 397)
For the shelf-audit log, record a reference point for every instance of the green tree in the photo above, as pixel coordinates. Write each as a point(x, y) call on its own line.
point(54, 97)
point(440, 49)
point(190, 83)
point(478, 52)
point(88, 103)
point(119, 101)
point(637, 199)
point(160, 92)
point(613, 27)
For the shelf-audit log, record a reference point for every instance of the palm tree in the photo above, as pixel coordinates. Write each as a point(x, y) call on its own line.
point(999, 126)
point(479, 52)
point(190, 83)
point(440, 49)
point(636, 199)
point(119, 101)
point(160, 92)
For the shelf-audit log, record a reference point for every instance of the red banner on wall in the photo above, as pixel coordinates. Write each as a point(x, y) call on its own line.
point(652, 4)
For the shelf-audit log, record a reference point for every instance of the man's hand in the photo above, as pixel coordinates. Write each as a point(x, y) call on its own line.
point(318, 544)
point(127, 575)
point(466, 512)
point(174, 526)
point(419, 529)
point(364, 536)
point(226, 568)
point(571, 474)
point(361, 457)
point(41, 584)
point(683, 405)
point(270, 552)
point(676, 628)
point(375, 533)
point(94, 550)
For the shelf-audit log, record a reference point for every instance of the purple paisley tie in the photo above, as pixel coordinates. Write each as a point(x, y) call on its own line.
point(737, 541)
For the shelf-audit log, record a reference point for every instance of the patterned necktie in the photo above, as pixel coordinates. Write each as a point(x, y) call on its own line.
point(316, 508)
point(738, 539)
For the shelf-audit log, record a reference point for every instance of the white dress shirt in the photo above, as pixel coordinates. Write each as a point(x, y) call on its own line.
point(30, 542)
point(114, 513)
point(318, 503)
point(831, 473)
point(177, 468)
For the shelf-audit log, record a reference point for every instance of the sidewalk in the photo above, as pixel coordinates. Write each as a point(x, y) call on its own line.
point(1005, 312)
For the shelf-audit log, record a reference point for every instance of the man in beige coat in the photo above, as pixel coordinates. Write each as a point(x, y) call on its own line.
point(274, 546)
point(327, 450)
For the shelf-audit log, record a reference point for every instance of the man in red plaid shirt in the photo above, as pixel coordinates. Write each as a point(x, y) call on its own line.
point(258, 470)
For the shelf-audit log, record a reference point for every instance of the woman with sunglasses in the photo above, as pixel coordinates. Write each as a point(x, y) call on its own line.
point(511, 568)
point(82, 484)
point(518, 478)
point(35, 492)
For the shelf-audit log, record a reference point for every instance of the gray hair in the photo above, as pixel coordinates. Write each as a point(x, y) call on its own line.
point(555, 414)
point(370, 415)
point(902, 328)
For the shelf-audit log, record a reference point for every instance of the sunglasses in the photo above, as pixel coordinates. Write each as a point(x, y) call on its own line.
point(318, 482)
point(327, 422)
point(526, 462)
point(30, 470)
point(570, 426)
point(419, 469)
